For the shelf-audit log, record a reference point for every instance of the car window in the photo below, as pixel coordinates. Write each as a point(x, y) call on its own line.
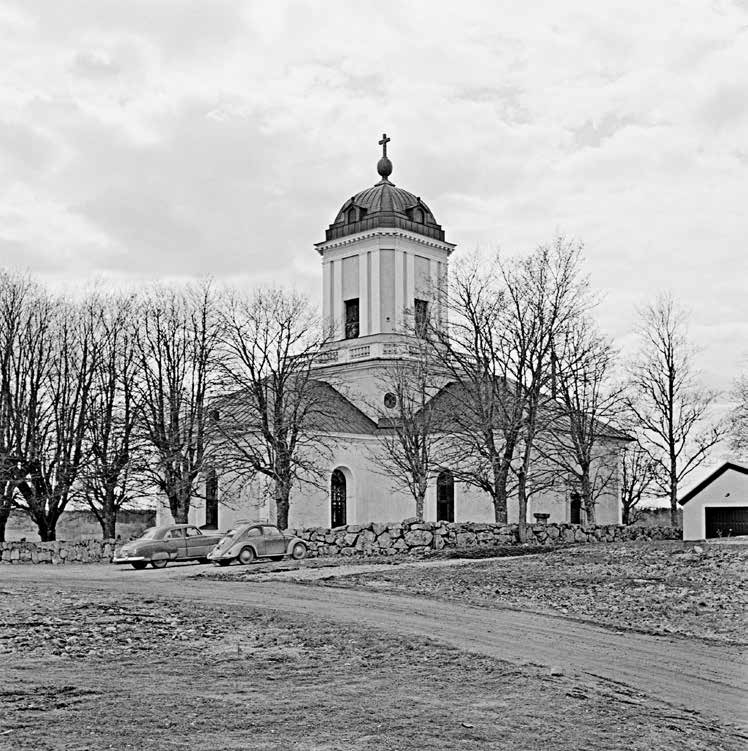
point(270, 531)
point(175, 534)
point(254, 532)
point(194, 532)
point(150, 533)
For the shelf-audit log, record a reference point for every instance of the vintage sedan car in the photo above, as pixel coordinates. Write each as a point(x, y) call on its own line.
point(159, 545)
point(251, 540)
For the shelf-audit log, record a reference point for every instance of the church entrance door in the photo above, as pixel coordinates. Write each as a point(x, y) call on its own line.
point(445, 497)
point(338, 500)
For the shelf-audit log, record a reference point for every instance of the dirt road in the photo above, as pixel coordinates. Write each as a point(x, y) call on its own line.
point(682, 672)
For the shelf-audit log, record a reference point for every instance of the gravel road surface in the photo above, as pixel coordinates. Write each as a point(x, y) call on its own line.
point(686, 673)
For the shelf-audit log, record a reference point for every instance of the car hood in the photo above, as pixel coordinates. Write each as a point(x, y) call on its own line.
point(225, 543)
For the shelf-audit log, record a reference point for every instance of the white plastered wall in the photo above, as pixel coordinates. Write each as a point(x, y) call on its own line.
point(728, 490)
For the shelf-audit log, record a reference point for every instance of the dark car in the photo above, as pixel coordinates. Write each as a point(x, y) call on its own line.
point(159, 545)
point(251, 540)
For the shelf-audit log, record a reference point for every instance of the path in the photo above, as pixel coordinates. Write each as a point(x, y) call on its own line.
point(683, 672)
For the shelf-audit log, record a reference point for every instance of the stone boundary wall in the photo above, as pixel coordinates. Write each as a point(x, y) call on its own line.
point(412, 536)
point(372, 539)
point(81, 551)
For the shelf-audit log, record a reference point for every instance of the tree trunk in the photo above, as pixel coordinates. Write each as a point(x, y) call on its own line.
point(179, 504)
point(4, 515)
point(501, 474)
point(587, 499)
point(420, 503)
point(108, 517)
point(522, 498)
point(625, 515)
point(673, 492)
point(282, 503)
point(46, 529)
point(36, 509)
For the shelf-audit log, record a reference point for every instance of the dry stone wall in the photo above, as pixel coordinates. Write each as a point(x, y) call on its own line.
point(82, 551)
point(372, 539)
point(412, 536)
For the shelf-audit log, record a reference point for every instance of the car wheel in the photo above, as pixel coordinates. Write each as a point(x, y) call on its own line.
point(160, 563)
point(298, 551)
point(139, 565)
point(247, 556)
point(222, 562)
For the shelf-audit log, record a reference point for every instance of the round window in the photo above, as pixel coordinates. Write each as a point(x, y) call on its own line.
point(390, 400)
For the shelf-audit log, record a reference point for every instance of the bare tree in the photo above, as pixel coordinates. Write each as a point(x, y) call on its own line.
point(20, 327)
point(58, 354)
point(411, 438)
point(478, 407)
point(178, 333)
point(116, 471)
point(499, 344)
point(738, 418)
point(547, 295)
point(638, 474)
point(581, 441)
point(670, 405)
point(274, 424)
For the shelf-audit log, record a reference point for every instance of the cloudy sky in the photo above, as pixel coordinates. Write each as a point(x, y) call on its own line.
point(178, 138)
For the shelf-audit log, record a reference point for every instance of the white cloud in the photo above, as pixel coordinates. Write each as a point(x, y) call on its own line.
point(163, 137)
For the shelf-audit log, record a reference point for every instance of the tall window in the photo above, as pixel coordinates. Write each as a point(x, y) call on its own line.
point(445, 497)
point(338, 500)
point(351, 319)
point(211, 500)
point(421, 315)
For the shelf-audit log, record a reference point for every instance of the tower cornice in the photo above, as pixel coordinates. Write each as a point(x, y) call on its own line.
point(356, 239)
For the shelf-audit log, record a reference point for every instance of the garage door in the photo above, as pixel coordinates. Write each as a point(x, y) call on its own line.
point(726, 521)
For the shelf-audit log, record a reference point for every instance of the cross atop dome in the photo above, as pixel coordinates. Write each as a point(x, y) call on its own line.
point(384, 165)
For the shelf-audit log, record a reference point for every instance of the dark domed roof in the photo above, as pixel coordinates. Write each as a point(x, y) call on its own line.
point(384, 205)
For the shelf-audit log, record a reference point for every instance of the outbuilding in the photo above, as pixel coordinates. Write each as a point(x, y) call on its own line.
point(718, 505)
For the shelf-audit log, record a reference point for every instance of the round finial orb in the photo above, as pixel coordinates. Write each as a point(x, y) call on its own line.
point(384, 167)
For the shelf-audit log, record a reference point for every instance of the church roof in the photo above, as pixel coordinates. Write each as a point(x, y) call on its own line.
point(451, 409)
point(339, 414)
point(384, 205)
point(328, 412)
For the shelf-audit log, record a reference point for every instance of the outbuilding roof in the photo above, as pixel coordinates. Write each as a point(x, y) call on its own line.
point(742, 468)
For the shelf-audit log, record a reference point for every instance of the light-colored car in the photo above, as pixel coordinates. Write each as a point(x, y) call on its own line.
point(251, 540)
point(159, 545)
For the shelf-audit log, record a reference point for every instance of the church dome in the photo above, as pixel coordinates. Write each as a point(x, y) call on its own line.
point(384, 205)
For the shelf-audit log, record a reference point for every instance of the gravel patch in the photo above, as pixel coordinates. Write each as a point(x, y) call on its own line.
point(657, 588)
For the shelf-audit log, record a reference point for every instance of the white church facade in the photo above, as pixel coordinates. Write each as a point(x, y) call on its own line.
point(384, 259)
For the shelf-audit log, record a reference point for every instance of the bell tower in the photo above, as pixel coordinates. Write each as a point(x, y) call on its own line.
point(384, 268)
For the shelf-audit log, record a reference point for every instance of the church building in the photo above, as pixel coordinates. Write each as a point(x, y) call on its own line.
point(385, 261)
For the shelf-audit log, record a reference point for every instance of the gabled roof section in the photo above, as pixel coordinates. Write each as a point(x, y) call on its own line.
point(340, 415)
point(452, 398)
point(331, 411)
point(741, 468)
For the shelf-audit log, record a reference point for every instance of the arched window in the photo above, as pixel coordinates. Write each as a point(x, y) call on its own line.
point(352, 214)
point(445, 497)
point(418, 215)
point(338, 500)
point(575, 509)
